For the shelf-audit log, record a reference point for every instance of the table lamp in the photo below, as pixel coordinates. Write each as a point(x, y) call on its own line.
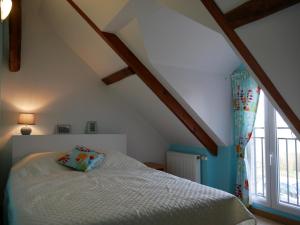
point(26, 119)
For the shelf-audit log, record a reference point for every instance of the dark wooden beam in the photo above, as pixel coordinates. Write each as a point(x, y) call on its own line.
point(117, 76)
point(15, 36)
point(255, 10)
point(251, 61)
point(151, 81)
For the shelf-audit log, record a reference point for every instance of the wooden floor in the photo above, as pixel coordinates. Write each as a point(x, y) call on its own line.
point(263, 221)
point(260, 221)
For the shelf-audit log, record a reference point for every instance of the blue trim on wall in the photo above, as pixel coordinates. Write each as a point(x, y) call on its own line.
point(218, 171)
point(276, 212)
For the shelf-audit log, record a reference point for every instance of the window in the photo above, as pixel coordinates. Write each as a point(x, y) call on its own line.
point(273, 156)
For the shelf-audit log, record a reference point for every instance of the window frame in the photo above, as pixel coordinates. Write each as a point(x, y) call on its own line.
point(266, 201)
point(272, 198)
point(276, 204)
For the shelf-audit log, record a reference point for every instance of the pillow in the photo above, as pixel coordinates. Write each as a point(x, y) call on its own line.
point(82, 158)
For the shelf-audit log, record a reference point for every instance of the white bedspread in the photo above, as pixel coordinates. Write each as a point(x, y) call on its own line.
point(120, 192)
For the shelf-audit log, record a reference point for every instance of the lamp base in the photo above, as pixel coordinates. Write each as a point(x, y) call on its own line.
point(25, 130)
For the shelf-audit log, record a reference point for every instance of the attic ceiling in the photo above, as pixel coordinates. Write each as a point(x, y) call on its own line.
point(73, 30)
point(94, 52)
point(87, 45)
point(195, 83)
point(136, 93)
point(229, 4)
point(277, 21)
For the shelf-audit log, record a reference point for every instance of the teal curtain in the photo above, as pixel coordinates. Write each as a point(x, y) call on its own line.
point(245, 93)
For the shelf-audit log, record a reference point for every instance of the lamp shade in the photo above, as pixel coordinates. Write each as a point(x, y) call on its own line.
point(26, 118)
point(6, 6)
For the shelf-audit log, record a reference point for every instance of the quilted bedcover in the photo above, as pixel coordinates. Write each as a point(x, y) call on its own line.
point(122, 191)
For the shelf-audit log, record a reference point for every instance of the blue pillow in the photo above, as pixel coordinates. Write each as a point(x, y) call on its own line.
point(82, 158)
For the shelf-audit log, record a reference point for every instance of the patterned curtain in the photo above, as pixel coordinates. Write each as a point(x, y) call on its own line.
point(245, 92)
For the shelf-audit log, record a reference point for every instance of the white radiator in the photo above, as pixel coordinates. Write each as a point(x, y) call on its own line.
point(187, 166)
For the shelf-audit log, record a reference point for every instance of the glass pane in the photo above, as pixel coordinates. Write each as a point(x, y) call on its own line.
point(264, 167)
point(280, 122)
point(288, 163)
point(259, 132)
point(292, 172)
point(285, 133)
point(259, 167)
point(260, 115)
point(283, 186)
point(257, 151)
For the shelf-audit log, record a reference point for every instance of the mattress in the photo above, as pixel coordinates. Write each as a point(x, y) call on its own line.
point(122, 191)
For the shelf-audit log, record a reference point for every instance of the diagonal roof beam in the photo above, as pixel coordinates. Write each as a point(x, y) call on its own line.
point(117, 76)
point(151, 81)
point(256, 9)
point(15, 33)
point(251, 61)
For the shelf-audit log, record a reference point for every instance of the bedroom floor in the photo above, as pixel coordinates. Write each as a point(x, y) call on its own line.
point(263, 221)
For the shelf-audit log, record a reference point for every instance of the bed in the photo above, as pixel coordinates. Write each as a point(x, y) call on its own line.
point(120, 191)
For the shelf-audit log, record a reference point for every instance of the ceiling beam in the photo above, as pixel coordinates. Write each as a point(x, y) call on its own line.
point(117, 76)
point(256, 9)
point(15, 36)
point(152, 82)
point(160, 91)
point(252, 63)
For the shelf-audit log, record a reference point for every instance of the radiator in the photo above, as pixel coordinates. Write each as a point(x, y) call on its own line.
point(187, 166)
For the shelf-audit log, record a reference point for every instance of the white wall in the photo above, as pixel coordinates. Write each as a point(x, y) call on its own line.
point(194, 60)
point(209, 95)
point(54, 83)
point(67, 24)
point(274, 41)
point(136, 93)
point(86, 43)
point(228, 5)
point(2, 154)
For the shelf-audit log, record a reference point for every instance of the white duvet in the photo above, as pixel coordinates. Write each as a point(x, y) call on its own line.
point(122, 191)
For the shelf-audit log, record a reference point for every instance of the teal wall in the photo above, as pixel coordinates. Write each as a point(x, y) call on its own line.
point(217, 171)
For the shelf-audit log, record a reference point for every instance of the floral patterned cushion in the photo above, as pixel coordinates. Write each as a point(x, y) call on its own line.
point(82, 158)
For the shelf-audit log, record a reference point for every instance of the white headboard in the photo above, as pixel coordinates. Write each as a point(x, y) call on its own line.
point(24, 145)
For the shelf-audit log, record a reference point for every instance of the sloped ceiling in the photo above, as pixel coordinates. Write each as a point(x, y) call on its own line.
point(136, 93)
point(95, 53)
point(142, 99)
point(195, 61)
point(60, 88)
point(102, 11)
point(274, 42)
point(200, 85)
point(80, 37)
point(229, 4)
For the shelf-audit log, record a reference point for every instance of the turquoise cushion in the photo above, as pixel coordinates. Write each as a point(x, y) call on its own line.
point(82, 158)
